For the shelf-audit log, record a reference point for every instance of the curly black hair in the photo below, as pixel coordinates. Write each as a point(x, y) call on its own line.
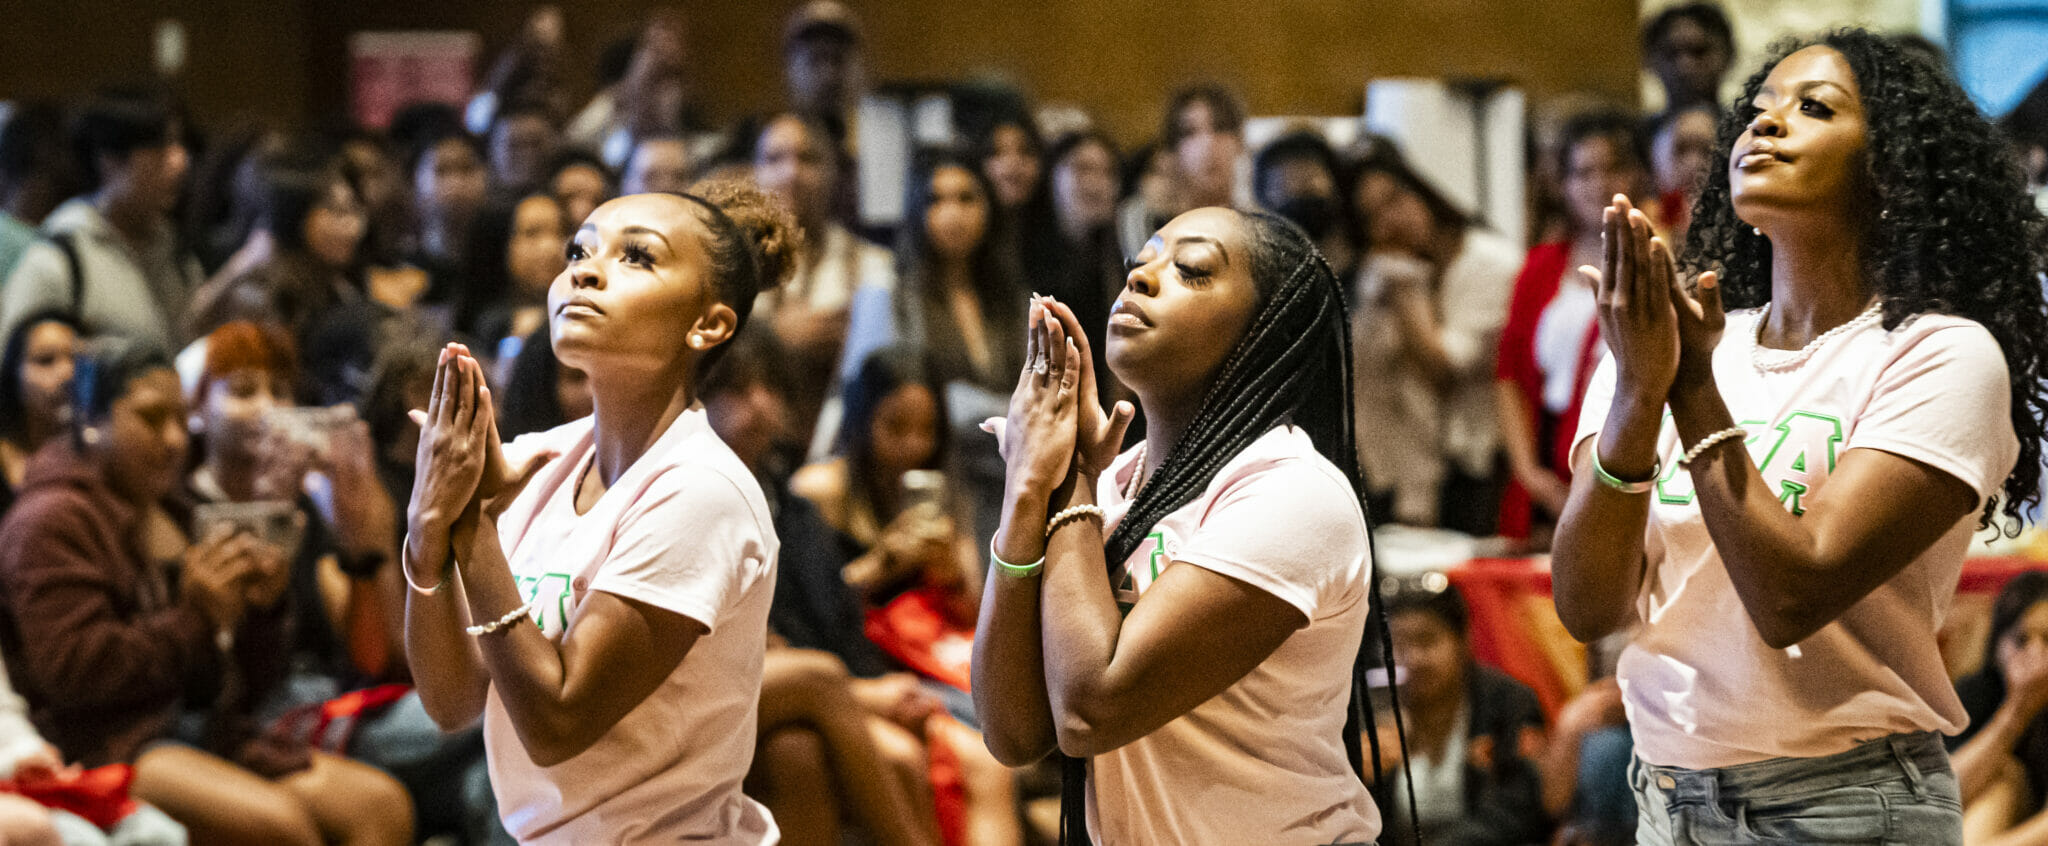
point(1949, 227)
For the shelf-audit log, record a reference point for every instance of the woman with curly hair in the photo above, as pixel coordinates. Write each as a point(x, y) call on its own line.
point(1788, 536)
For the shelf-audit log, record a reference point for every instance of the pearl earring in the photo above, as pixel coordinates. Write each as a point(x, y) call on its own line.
point(1758, 230)
point(92, 435)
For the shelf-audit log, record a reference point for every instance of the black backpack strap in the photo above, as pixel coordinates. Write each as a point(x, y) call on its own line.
point(76, 305)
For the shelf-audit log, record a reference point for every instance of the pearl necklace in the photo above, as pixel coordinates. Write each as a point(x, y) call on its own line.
point(1774, 359)
point(1137, 480)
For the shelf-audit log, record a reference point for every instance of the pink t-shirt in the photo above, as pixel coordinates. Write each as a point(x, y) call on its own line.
point(1263, 761)
point(685, 529)
point(1701, 688)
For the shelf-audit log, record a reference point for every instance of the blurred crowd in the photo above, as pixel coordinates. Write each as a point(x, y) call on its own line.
point(213, 333)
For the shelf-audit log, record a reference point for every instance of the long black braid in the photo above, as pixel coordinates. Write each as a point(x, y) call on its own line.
point(1293, 365)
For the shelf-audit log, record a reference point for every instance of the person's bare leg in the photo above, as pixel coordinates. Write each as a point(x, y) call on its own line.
point(354, 803)
point(220, 803)
point(25, 823)
point(991, 789)
point(907, 759)
point(810, 688)
point(792, 775)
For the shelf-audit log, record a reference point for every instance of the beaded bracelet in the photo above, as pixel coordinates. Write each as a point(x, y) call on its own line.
point(1608, 479)
point(1014, 570)
point(1073, 513)
point(1693, 454)
point(514, 616)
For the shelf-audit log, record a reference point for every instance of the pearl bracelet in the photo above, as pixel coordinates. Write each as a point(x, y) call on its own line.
point(1073, 513)
point(1710, 440)
point(507, 620)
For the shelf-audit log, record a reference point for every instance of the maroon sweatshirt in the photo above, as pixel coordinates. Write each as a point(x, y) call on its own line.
point(97, 638)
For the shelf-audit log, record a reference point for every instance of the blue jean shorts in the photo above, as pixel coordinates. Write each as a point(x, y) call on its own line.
point(1893, 790)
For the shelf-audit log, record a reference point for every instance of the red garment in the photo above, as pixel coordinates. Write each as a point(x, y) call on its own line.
point(100, 795)
point(1541, 277)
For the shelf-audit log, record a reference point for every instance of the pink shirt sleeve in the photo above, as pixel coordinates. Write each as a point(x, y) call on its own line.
point(1945, 401)
point(690, 543)
point(1290, 528)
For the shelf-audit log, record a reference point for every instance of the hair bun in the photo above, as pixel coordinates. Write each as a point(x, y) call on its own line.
point(771, 231)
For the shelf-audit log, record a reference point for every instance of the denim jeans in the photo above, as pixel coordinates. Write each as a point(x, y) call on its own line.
point(1893, 790)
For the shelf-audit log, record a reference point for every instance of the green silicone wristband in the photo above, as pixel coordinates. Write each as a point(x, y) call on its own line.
point(1605, 478)
point(1016, 570)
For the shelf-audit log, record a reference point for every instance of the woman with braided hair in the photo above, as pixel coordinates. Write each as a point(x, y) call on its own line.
point(1779, 498)
point(1185, 617)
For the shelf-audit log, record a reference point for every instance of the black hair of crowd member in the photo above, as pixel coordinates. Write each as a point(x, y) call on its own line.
point(13, 415)
point(752, 359)
point(293, 188)
point(1709, 16)
point(103, 376)
point(1442, 601)
point(122, 119)
point(2020, 594)
point(1948, 227)
point(32, 146)
point(885, 372)
point(1226, 111)
point(531, 402)
point(571, 156)
point(1386, 159)
point(1607, 122)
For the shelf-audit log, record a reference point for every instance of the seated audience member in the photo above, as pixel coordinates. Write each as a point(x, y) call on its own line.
point(521, 141)
point(27, 759)
point(35, 390)
point(1551, 342)
point(915, 571)
point(840, 737)
point(1681, 151)
point(2001, 758)
point(1074, 257)
point(450, 185)
point(1472, 732)
point(961, 308)
point(837, 276)
point(1011, 156)
point(1426, 319)
point(540, 392)
point(1585, 767)
point(580, 182)
point(659, 164)
point(133, 277)
point(1299, 177)
point(1149, 197)
point(515, 253)
point(345, 603)
point(35, 175)
point(1204, 138)
point(1689, 47)
point(107, 651)
point(315, 222)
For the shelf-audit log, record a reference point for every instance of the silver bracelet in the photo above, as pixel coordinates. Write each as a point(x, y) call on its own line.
point(1710, 440)
point(405, 572)
point(514, 616)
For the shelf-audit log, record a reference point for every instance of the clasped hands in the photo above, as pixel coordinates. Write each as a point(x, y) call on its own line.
point(461, 474)
point(1661, 334)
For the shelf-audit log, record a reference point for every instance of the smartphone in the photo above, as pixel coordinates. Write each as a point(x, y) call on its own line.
point(310, 426)
point(924, 487)
point(273, 521)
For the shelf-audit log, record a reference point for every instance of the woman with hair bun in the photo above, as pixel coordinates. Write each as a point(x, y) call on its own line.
point(1780, 497)
point(603, 608)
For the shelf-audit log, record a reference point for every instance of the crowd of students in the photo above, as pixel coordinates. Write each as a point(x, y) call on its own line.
point(289, 417)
